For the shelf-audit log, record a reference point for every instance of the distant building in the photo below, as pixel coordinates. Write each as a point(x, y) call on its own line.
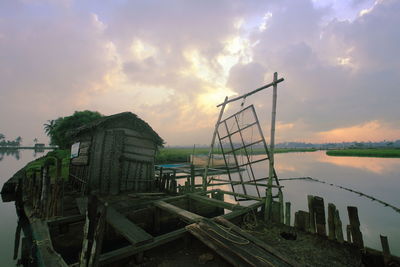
point(114, 154)
point(39, 146)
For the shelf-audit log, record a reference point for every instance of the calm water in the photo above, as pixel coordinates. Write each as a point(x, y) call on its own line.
point(378, 177)
point(9, 164)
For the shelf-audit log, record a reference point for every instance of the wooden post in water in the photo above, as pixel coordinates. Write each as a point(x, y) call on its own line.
point(319, 210)
point(287, 214)
point(212, 144)
point(301, 220)
point(312, 228)
point(355, 227)
point(338, 227)
point(385, 249)
point(268, 202)
point(348, 233)
point(331, 221)
point(281, 207)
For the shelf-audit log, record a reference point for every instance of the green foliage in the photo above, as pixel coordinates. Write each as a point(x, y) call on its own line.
point(166, 155)
point(50, 158)
point(58, 129)
point(369, 152)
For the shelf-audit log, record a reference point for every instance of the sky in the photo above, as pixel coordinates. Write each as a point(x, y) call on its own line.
point(171, 62)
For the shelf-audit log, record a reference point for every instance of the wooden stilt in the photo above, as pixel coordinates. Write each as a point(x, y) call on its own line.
point(212, 144)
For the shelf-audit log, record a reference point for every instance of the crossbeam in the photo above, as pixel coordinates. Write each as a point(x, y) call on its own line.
point(252, 92)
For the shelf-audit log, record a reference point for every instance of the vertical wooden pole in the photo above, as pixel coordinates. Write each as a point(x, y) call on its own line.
point(355, 227)
point(338, 227)
point(212, 144)
point(331, 221)
point(287, 214)
point(271, 150)
point(192, 178)
point(385, 249)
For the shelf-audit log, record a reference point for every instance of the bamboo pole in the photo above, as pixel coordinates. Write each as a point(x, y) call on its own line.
point(272, 146)
point(212, 144)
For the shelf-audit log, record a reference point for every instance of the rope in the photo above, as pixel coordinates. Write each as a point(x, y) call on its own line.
point(343, 188)
point(241, 241)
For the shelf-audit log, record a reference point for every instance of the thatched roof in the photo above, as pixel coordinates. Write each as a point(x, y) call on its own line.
point(131, 121)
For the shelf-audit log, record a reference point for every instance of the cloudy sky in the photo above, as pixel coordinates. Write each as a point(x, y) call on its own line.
point(171, 62)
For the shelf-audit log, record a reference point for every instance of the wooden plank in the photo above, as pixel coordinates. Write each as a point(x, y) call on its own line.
point(81, 160)
point(184, 214)
point(128, 229)
point(139, 142)
point(65, 220)
point(107, 258)
point(237, 213)
point(83, 151)
point(215, 202)
point(116, 164)
point(139, 150)
point(95, 160)
point(135, 157)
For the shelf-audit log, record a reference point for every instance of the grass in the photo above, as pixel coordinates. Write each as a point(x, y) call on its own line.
point(367, 152)
point(182, 154)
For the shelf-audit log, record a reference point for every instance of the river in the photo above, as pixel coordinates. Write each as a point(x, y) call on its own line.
point(378, 177)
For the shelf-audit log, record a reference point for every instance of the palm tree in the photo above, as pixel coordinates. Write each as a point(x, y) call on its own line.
point(49, 127)
point(35, 140)
point(18, 140)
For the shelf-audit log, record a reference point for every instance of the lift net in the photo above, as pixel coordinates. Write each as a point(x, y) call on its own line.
point(245, 153)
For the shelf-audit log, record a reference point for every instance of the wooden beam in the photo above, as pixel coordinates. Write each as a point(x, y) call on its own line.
point(356, 234)
point(237, 213)
point(66, 220)
point(128, 229)
point(215, 202)
point(118, 254)
point(184, 214)
point(242, 195)
point(252, 92)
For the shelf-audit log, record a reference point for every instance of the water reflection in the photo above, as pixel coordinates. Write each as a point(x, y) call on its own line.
point(375, 165)
point(16, 153)
point(9, 152)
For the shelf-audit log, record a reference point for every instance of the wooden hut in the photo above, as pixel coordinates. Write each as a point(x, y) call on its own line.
point(114, 154)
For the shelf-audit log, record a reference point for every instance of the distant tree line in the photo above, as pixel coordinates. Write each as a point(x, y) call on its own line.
point(10, 143)
point(354, 144)
point(58, 129)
